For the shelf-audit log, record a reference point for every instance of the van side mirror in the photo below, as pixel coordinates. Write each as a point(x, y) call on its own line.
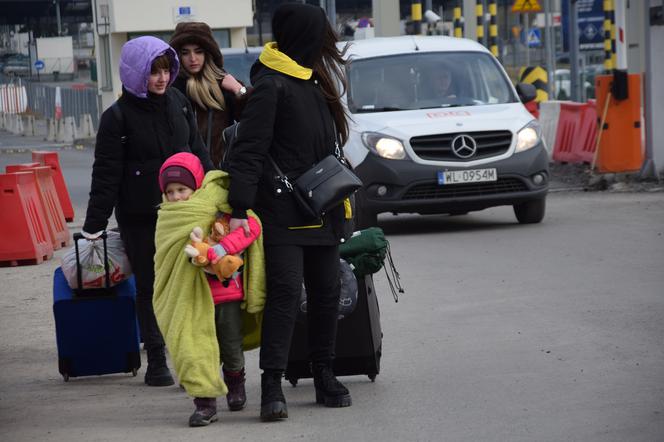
point(526, 92)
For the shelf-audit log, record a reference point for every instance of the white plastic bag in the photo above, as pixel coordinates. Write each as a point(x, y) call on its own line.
point(92, 262)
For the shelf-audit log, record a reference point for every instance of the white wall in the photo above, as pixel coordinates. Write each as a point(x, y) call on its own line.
point(57, 54)
point(160, 16)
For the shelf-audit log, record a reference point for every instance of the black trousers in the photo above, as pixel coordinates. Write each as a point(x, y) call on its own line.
point(138, 239)
point(286, 268)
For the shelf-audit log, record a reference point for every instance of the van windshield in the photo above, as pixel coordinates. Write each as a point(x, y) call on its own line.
point(425, 81)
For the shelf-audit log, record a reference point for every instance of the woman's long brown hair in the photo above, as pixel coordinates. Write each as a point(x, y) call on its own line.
point(330, 70)
point(203, 88)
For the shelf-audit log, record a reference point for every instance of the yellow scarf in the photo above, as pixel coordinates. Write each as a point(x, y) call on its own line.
point(280, 62)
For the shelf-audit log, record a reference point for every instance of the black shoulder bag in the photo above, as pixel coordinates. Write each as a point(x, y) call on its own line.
point(323, 186)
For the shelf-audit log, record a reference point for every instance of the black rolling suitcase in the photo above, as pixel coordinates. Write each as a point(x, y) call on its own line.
point(359, 339)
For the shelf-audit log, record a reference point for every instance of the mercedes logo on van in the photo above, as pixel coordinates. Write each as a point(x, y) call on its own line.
point(464, 146)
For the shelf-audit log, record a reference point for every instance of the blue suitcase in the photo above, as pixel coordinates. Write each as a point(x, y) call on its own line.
point(96, 329)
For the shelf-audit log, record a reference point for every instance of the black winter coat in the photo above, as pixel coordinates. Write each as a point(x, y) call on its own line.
point(125, 176)
point(287, 118)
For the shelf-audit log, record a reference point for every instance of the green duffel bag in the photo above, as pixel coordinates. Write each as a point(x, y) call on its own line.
point(365, 251)
point(371, 240)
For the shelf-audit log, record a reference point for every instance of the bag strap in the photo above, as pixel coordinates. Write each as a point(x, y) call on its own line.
point(209, 130)
point(280, 175)
point(119, 117)
point(393, 277)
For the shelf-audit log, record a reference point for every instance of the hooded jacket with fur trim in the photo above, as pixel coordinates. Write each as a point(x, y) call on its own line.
point(210, 122)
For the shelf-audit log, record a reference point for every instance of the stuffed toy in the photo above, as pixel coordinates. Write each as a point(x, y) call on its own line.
point(205, 251)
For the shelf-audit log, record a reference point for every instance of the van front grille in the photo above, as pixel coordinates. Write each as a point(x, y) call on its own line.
point(435, 191)
point(439, 147)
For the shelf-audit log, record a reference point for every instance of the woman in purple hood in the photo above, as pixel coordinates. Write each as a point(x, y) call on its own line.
point(146, 125)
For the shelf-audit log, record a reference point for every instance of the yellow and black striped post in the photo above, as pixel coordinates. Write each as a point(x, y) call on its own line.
point(493, 28)
point(538, 77)
point(416, 16)
point(609, 35)
point(458, 24)
point(479, 13)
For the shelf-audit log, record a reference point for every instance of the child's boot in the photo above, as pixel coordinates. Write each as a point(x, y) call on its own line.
point(205, 413)
point(237, 395)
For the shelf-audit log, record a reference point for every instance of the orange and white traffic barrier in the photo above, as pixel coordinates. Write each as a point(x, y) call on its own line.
point(549, 115)
point(51, 159)
point(24, 236)
point(576, 133)
point(54, 217)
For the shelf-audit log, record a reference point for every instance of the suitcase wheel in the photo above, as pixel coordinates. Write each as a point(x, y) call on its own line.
point(65, 376)
point(134, 371)
point(372, 377)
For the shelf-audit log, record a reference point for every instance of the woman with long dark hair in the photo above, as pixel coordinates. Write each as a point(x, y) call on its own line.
point(294, 115)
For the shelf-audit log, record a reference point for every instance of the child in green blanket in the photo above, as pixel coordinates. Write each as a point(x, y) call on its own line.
point(179, 177)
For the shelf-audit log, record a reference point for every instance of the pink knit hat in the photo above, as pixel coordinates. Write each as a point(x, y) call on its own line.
point(184, 168)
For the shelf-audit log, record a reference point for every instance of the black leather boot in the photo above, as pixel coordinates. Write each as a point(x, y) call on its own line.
point(158, 374)
point(273, 402)
point(237, 396)
point(329, 390)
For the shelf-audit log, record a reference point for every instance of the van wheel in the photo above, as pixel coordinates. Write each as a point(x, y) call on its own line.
point(364, 218)
point(530, 212)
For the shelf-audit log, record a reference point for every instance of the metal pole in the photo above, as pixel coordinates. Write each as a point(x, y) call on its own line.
point(458, 19)
point(332, 12)
point(479, 16)
point(57, 16)
point(526, 32)
point(608, 59)
point(493, 27)
point(416, 16)
point(550, 48)
point(648, 170)
point(574, 50)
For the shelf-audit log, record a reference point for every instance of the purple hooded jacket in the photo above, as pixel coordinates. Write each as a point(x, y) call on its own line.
point(136, 60)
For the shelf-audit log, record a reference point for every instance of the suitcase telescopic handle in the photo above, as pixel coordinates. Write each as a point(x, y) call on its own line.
point(79, 272)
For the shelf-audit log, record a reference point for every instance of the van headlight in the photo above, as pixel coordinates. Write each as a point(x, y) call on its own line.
point(529, 136)
point(385, 146)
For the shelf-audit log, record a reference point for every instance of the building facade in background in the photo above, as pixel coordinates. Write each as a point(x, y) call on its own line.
point(117, 21)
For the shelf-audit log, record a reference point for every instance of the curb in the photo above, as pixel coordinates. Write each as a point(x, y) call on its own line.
point(50, 147)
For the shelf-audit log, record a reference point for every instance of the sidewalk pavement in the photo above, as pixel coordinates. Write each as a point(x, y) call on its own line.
point(11, 143)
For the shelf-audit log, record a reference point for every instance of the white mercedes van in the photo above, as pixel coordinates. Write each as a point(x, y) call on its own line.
point(437, 127)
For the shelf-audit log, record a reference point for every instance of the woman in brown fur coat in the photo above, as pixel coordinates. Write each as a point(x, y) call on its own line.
point(216, 96)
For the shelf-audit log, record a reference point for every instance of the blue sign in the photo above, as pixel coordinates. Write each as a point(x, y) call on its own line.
point(534, 39)
point(591, 25)
point(39, 65)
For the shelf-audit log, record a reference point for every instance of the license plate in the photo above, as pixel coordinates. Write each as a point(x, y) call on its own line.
point(466, 176)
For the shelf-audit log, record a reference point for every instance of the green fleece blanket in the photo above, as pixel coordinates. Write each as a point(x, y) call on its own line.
point(182, 300)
